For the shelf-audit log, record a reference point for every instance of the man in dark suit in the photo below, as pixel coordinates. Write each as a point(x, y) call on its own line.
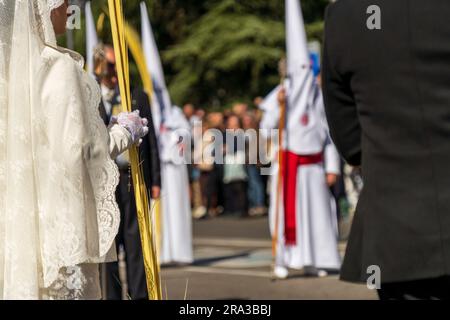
point(386, 77)
point(129, 236)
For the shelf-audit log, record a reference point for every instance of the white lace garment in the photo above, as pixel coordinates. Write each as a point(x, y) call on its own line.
point(58, 214)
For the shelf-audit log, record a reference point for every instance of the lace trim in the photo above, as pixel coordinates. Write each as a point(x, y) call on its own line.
point(53, 4)
point(75, 283)
point(43, 22)
point(107, 180)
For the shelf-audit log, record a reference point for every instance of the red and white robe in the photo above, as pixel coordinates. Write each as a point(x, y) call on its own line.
point(307, 230)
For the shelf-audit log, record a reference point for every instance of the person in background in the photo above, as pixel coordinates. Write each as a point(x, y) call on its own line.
point(235, 176)
point(204, 163)
point(239, 109)
point(176, 239)
point(198, 210)
point(257, 102)
point(302, 215)
point(255, 190)
point(264, 155)
point(190, 113)
point(216, 120)
point(200, 114)
point(338, 190)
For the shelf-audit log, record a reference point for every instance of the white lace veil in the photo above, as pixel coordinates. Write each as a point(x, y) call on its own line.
point(57, 206)
point(53, 4)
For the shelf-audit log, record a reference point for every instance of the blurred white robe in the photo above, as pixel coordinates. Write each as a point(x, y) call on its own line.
point(176, 239)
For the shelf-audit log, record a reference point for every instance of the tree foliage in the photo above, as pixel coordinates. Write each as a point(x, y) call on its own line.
point(232, 52)
point(217, 52)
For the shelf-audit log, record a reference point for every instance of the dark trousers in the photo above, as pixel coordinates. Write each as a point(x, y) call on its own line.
point(235, 194)
point(217, 182)
point(208, 184)
point(432, 289)
point(256, 193)
point(129, 238)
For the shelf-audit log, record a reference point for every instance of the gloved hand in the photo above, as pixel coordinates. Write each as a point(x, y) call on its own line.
point(137, 126)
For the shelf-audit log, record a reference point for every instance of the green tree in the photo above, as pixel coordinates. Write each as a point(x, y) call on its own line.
point(232, 52)
point(215, 52)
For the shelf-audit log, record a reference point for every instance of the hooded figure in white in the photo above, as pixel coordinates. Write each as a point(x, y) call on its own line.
point(176, 246)
point(58, 214)
point(307, 222)
point(174, 129)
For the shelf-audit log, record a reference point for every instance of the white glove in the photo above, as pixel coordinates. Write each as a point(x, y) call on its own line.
point(136, 126)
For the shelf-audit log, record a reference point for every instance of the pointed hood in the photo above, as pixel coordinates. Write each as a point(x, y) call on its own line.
point(91, 38)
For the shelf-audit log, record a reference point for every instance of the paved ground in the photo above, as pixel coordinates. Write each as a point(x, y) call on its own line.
point(233, 259)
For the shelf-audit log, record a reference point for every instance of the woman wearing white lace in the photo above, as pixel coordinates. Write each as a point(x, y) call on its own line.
point(58, 215)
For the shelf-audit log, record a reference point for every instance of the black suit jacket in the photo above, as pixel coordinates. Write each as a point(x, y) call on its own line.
point(149, 149)
point(387, 96)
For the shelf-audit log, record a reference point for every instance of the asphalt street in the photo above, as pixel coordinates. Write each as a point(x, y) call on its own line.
point(233, 261)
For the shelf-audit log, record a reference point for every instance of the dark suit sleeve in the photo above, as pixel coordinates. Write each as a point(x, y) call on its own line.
point(102, 111)
point(339, 101)
point(149, 150)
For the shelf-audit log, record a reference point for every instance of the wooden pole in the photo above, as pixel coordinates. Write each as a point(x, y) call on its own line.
point(280, 191)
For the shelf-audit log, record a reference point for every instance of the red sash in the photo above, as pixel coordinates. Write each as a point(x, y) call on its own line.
point(290, 169)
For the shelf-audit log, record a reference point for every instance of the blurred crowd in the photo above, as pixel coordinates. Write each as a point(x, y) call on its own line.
point(239, 188)
point(234, 187)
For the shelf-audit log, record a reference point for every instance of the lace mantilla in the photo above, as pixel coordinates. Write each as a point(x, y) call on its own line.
point(73, 247)
point(42, 10)
point(53, 4)
point(58, 214)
